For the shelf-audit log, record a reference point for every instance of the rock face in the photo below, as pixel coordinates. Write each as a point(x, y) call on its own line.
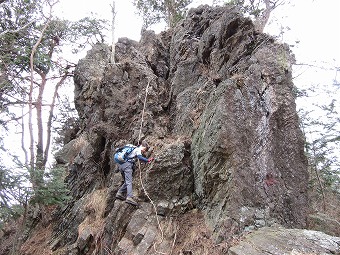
point(324, 223)
point(287, 241)
point(215, 101)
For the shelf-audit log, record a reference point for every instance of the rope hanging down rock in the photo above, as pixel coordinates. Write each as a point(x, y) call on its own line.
point(140, 172)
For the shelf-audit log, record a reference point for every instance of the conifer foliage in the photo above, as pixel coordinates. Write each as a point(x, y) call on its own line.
point(35, 64)
point(155, 11)
point(320, 124)
point(258, 10)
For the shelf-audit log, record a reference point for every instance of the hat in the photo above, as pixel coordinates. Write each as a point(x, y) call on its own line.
point(145, 144)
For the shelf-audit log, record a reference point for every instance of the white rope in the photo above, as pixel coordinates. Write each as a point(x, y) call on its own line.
point(140, 173)
point(141, 123)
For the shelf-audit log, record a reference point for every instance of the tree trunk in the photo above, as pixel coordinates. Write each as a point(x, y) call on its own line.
point(23, 136)
point(50, 116)
point(35, 176)
point(322, 190)
point(40, 143)
point(169, 12)
point(262, 20)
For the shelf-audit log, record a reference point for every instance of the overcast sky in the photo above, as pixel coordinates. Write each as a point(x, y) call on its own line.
point(312, 23)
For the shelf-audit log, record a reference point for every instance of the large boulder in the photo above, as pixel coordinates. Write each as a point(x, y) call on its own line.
point(279, 241)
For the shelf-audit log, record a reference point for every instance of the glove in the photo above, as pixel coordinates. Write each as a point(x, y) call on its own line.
point(150, 159)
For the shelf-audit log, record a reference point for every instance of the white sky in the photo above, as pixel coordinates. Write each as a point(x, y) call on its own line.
point(314, 23)
point(127, 23)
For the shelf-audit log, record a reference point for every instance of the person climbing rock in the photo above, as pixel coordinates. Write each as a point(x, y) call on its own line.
point(126, 167)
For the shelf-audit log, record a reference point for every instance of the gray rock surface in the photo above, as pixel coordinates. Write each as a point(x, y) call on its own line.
point(324, 223)
point(279, 241)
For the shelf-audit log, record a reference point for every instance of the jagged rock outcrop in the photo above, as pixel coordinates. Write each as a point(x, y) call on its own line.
point(220, 117)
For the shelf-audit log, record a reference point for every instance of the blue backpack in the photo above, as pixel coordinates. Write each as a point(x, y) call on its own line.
point(122, 153)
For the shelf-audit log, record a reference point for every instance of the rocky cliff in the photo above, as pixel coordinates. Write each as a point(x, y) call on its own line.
point(215, 101)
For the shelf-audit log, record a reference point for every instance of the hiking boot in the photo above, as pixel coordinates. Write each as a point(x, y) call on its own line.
point(120, 196)
point(131, 201)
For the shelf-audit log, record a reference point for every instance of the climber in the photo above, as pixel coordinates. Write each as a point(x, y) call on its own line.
point(127, 169)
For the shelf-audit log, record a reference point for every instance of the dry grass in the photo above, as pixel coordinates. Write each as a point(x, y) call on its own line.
point(79, 143)
point(194, 237)
point(38, 243)
point(94, 208)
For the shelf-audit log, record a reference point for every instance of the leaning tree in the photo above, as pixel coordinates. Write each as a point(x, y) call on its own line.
point(35, 62)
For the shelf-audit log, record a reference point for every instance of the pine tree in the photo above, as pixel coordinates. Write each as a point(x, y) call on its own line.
point(322, 132)
point(258, 10)
point(33, 68)
point(154, 11)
